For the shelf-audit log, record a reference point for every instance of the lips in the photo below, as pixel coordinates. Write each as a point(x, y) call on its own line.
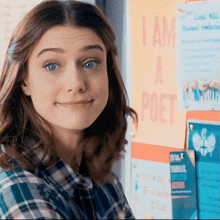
point(76, 102)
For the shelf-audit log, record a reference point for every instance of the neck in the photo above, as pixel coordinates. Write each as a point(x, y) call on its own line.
point(68, 147)
point(71, 155)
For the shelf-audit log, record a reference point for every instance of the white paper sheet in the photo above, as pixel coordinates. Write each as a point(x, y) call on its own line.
point(151, 190)
point(198, 55)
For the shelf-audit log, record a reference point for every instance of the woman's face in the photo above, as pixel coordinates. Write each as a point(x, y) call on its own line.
point(67, 77)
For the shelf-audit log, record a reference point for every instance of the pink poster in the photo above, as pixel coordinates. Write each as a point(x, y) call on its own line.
point(154, 84)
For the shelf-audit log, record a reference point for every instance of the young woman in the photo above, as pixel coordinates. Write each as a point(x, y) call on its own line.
point(63, 117)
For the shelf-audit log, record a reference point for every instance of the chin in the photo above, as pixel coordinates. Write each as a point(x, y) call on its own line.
point(79, 126)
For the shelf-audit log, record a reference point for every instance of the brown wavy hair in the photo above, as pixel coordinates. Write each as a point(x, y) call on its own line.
point(105, 139)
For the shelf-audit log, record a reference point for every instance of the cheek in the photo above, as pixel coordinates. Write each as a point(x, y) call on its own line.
point(104, 88)
point(41, 92)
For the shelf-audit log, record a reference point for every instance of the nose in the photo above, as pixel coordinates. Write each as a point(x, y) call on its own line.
point(74, 79)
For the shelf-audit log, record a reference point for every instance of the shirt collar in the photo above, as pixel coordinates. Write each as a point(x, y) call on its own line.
point(33, 150)
point(63, 175)
point(59, 173)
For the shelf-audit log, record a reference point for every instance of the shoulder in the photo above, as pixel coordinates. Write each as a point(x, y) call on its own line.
point(114, 190)
point(18, 181)
point(21, 196)
point(17, 175)
point(114, 200)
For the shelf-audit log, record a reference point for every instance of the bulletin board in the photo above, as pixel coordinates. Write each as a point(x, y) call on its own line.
point(154, 95)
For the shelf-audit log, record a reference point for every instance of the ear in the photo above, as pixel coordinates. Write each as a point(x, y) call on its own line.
point(26, 87)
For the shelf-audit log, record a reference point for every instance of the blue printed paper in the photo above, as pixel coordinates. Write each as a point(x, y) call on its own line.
point(183, 185)
point(203, 137)
point(198, 55)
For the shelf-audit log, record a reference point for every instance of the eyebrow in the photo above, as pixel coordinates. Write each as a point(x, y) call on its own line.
point(60, 50)
point(90, 47)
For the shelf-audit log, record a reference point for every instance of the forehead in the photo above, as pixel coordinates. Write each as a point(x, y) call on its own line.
point(69, 36)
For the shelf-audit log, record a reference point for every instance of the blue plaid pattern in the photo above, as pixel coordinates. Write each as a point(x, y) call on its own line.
point(59, 192)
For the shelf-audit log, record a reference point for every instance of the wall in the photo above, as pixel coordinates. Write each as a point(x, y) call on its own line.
point(88, 1)
point(118, 13)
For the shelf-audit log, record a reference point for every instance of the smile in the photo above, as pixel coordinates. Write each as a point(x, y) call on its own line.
point(76, 104)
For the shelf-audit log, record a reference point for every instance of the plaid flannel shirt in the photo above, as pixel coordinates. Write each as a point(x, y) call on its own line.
point(59, 192)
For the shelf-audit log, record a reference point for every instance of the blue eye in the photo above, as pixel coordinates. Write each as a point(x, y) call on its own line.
point(51, 66)
point(90, 64)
